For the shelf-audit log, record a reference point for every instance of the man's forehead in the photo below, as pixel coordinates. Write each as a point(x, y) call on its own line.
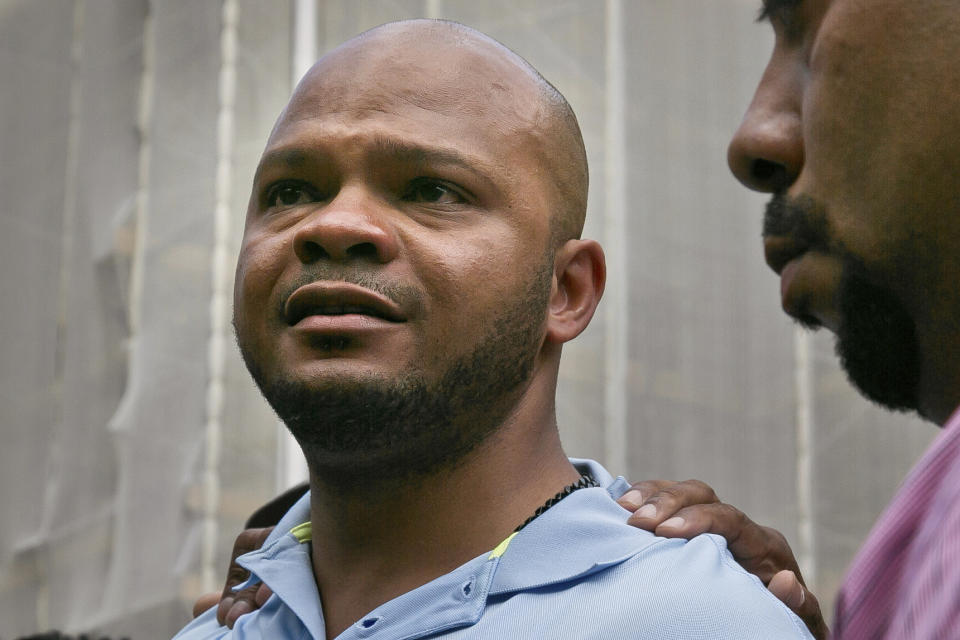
point(386, 125)
point(434, 98)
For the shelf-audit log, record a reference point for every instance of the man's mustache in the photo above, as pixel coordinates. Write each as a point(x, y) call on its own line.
point(801, 219)
point(409, 297)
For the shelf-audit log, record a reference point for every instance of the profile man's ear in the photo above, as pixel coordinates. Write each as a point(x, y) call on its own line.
point(579, 275)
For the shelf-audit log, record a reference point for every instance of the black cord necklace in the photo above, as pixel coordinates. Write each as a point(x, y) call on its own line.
point(586, 480)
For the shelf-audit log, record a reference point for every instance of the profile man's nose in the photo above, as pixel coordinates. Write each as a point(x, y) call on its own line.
point(344, 231)
point(766, 152)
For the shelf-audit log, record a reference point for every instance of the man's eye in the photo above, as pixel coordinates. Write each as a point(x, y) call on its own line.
point(288, 195)
point(432, 192)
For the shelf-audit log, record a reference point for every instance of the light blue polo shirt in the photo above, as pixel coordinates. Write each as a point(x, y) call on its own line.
point(577, 571)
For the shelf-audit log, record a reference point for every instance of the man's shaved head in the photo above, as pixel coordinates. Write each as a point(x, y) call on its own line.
point(499, 79)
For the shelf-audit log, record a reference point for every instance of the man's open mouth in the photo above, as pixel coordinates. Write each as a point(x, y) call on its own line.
point(337, 299)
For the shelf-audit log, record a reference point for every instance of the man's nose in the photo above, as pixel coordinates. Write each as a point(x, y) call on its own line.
point(766, 152)
point(354, 226)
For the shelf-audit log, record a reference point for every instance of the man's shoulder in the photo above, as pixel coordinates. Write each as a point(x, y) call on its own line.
point(584, 568)
point(665, 588)
point(696, 586)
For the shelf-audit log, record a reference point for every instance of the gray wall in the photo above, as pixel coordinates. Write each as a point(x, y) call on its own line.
point(135, 444)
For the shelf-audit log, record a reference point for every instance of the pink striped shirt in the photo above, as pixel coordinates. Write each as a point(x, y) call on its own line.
point(904, 583)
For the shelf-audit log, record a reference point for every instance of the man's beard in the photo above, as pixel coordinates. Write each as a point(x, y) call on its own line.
point(373, 429)
point(876, 341)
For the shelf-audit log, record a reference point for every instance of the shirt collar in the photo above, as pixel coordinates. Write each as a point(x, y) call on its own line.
point(582, 534)
point(284, 564)
point(454, 600)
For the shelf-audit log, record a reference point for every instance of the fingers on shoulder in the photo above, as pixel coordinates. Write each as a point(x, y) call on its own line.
point(640, 491)
point(664, 500)
point(700, 518)
point(204, 602)
point(678, 495)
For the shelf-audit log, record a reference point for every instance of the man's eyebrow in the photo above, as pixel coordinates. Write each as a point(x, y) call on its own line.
point(424, 157)
point(291, 158)
point(780, 10)
point(382, 146)
point(412, 153)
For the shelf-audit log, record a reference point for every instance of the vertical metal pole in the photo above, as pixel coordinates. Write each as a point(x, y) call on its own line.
point(304, 38)
point(806, 547)
point(144, 116)
point(615, 157)
point(220, 294)
point(433, 8)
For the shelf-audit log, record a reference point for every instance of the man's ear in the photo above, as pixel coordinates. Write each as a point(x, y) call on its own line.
point(579, 274)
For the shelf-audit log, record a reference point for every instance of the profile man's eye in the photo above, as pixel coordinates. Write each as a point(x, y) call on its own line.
point(433, 192)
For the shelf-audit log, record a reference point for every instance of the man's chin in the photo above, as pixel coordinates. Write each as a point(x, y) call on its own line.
point(876, 341)
point(886, 390)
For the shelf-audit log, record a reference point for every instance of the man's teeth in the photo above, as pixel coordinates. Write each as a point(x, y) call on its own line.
point(339, 310)
point(334, 344)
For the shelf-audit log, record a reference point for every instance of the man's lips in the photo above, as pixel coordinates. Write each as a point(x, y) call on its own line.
point(327, 299)
point(782, 255)
point(808, 282)
point(789, 303)
point(780, 250)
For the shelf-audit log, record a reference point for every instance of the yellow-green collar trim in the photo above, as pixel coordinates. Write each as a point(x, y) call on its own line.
point(303, 532)
point(500, 548)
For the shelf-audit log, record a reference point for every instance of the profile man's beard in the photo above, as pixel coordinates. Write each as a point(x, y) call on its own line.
point(876, 341)
point(373, 429)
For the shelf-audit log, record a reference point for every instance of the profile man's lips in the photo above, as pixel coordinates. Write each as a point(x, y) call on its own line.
point(780, 250)
point(329, 298)
point(808, 288)
point(791, 305)
point(783, 255)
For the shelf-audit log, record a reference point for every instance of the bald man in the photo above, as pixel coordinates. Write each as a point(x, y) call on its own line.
point(410, 268)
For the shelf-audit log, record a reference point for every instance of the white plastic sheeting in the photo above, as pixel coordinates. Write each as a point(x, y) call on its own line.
point(134, 443)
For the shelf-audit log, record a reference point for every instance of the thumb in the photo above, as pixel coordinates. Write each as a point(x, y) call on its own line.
point(788, 590)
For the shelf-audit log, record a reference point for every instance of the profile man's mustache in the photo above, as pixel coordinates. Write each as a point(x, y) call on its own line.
point(801, 219)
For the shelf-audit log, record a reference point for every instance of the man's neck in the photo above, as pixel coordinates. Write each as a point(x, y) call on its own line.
point(377, 545)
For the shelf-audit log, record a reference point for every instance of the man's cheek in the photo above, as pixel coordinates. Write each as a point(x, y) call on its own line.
point(259, 267)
